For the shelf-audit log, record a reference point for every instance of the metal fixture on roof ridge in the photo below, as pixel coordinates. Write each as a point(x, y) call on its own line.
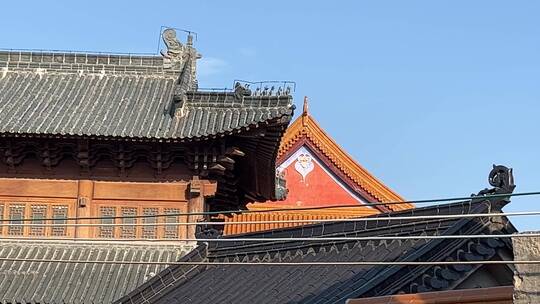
point(264, 88)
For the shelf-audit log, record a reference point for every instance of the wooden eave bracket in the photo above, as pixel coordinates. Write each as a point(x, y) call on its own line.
point(203, 187)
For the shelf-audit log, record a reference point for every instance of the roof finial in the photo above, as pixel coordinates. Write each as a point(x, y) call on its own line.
point(305, 111)
point(190, 39)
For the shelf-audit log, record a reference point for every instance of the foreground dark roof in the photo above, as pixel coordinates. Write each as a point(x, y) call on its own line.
point(131, 96)
point(46, 282)
point(336, 284)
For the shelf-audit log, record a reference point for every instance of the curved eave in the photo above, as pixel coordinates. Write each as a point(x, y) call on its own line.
point(307, 128)
point(263, 155)
point(157, 138)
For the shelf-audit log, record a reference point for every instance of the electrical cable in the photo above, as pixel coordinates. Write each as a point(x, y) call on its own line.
point(331, 263)
point(285, 239)
point(466, 198)
point(310, 221)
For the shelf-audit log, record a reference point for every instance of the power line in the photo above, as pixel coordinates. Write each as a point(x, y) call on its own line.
point(438, 200)
point(310, 221)
point(330, 263)
point(299, 239)
point(381, 218)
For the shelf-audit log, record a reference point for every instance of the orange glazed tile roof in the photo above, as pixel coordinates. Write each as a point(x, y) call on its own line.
point(305, 127)
point(285, 215)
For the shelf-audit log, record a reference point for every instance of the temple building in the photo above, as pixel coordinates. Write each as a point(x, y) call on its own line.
point(98, 152)
point(119, 177)
point(319, 173)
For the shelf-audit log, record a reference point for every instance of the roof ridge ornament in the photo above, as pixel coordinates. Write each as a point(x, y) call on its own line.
point(178, 54)
point(241, 90)
point(502, 180)
point(276, 88)
point(305, 111)
point(184, 59)
point(174, 47)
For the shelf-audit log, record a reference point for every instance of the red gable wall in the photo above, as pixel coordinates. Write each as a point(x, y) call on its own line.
point(310, 183)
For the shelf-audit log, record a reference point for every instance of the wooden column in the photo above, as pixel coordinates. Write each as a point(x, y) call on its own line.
point(198, 191)
point(85, 196)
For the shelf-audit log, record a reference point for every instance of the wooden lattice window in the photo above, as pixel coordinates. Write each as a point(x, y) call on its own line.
point(16, 214)
point(171, 231)
point(59, 215)
point(149, 232)
point(128, 231)
point(38, 215)
point(130, 216)
point(107, 231)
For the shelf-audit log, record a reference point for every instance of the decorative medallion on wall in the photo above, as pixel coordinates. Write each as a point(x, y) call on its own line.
point(304, 164)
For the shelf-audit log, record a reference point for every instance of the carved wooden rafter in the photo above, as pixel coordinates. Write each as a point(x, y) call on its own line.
point(83, 155)
point(218, 162)
point(88, 153)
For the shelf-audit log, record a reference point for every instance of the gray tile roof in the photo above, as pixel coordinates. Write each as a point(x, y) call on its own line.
point(40, 282)
point(117, 96)
point(329, 284)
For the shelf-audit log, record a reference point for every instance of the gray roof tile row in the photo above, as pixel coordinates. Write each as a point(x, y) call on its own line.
point(54, 282)
point(117, 96)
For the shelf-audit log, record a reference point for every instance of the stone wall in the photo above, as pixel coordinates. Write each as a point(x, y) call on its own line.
point(526, 276)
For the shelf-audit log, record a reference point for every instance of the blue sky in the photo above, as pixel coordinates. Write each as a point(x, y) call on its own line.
point(425, 94)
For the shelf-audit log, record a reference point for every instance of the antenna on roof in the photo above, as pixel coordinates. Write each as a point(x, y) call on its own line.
point(188, 32)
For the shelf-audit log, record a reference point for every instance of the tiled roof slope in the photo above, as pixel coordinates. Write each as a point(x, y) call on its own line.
point(285, 215)
point(71, 94)
point(306, 130)
point(333, 284)
point(45, 282)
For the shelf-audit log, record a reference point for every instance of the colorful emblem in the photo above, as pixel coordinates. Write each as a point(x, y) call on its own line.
point(304, 164)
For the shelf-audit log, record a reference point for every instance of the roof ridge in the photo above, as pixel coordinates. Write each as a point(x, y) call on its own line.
point(341, 228)
point(23, 55)
point(66, 51)
point(80, 63)
point(384, 217)
point(228, 99)
point(81, 58)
